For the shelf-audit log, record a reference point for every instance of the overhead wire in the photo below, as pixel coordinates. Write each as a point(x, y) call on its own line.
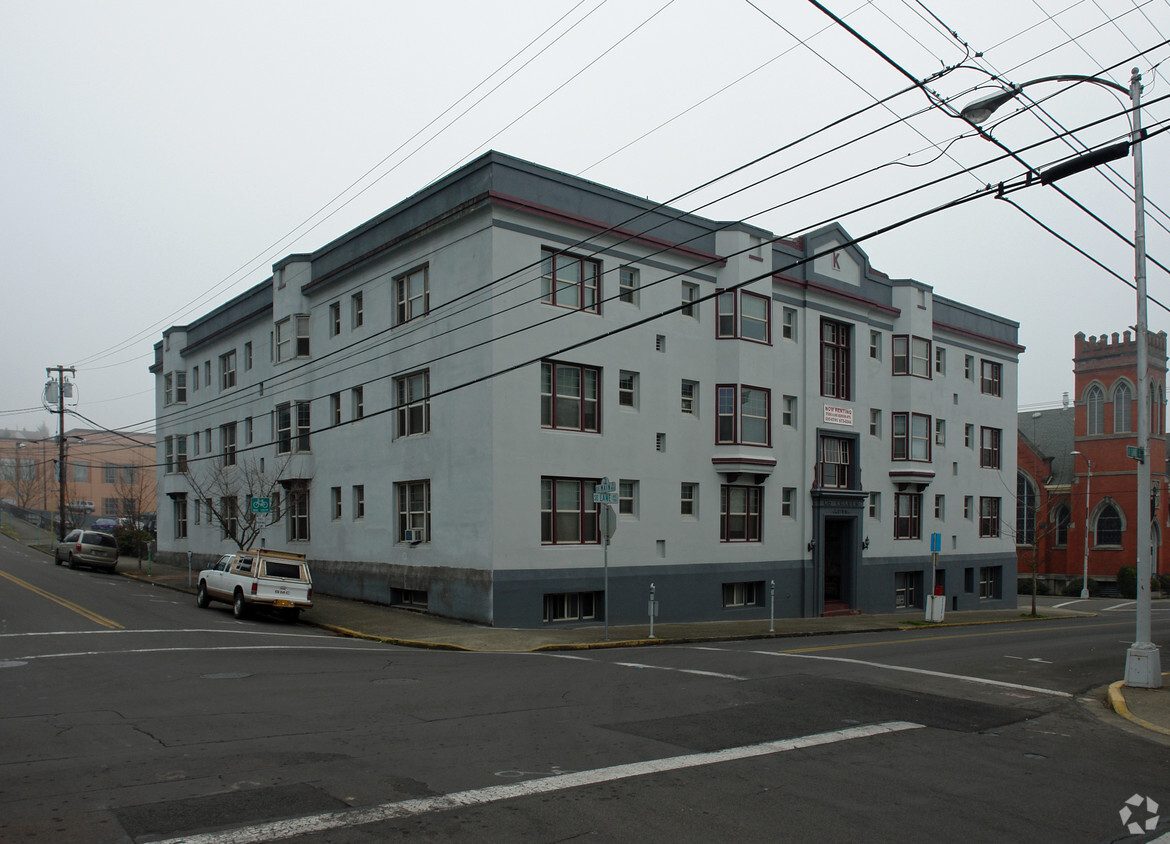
point(333, 373)
point(1022, 184)
point(985, 134)
point(569, 313)
point(296, 231)
point(620, 227)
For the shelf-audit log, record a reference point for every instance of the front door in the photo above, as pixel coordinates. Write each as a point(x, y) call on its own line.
point(838, 536)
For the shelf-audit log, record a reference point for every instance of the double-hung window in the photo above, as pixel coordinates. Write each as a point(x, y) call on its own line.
point(628, 389)
point(690, 293)
point(356, 310)
point(989, 447)
point(744, 315)
point(292, 338)
point(414, 404)
point(742, 415)
point(991, 375)
point(181, 386)
point(908, 515)
point(835, 359)
point(988, 516)
point(911, 356)
point(570, 281)
point(227, 370)
point(568, 515)
point(628, 285)
point(292, 427)
point(412, 295)
point(414, 511)
point(910, 436)
point(334, 319)
point(835, 462)
point(227, 443)
point(570, 397)
point(739, 513)
point(690, 392)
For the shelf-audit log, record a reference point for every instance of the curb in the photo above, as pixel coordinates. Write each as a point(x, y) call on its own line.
point(1117, 704)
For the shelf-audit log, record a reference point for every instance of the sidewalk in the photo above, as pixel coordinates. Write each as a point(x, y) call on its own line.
point(1148, 708)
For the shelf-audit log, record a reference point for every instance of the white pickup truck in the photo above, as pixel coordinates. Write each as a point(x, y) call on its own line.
point(258, 578)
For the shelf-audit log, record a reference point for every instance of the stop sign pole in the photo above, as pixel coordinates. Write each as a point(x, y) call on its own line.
point(606, 494)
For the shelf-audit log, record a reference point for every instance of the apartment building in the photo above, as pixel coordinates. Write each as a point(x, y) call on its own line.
point(427, 403)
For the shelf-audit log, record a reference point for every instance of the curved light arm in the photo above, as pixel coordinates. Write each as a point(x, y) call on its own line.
point(981, 109)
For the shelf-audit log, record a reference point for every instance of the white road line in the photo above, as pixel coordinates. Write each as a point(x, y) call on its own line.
point(325, 821)
point(1121, 606)
point(924, 671)
point(653, 667)
point(234, 631)
point(207, 649)
point(1066, 604)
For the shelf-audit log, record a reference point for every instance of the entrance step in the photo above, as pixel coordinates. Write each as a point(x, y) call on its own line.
point(833, 608)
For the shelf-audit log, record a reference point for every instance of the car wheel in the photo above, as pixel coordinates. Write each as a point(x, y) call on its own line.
point(56, 559)
point(292, 615)
point(72, 564)
point(201, 597)
point(239, 608)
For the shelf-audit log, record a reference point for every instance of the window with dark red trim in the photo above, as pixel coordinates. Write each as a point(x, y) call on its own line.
point(911, 356)
point(743, 415)
point(743, 315)
point(910, 437)
point(989, 443)
point(835, 359)
point(570, 281)
point(568, 515)
point(739, 513)
point(570, 397)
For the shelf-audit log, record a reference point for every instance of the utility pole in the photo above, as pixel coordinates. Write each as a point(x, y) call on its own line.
point(61, 469)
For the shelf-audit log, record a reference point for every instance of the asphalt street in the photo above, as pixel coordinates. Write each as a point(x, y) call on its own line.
point(129, 715)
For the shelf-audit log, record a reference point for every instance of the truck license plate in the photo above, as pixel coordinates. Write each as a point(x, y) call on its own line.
point(284, 603)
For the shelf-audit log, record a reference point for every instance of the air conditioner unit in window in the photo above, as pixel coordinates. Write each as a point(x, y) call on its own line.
point(412, 536)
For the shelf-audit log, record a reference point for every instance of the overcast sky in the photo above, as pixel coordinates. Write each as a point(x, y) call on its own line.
point(158, 157)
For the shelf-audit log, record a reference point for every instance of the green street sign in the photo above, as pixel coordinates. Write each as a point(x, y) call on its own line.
point(261, 505)
point(1136, 452)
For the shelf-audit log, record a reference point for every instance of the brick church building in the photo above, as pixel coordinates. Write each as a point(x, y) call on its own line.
point(1073, 470)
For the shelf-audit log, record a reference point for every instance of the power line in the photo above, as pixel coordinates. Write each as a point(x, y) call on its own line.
point(286, 377)
point(204, 296)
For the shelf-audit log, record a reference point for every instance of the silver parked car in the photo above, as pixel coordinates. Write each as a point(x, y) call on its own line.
point(93, 548)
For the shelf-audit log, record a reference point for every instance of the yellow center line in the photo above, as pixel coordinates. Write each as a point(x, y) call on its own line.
point(919, 640)
point(69, 605)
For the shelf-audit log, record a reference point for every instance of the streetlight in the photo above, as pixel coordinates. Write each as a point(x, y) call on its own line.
point(1143, 667)
point(1088, 489)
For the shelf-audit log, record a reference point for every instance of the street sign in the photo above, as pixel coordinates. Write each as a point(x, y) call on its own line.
point(1136, 452)
point(606, 485)
point(935, 542)
point(605, 498)
point(261, 505)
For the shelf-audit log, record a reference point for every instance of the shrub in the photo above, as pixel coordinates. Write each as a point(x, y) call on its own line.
point(1024, 586)
point(1127, 581)
point(131, 542)
point(1072, 589)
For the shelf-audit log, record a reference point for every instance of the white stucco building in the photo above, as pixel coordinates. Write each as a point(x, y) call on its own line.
point(440, 389)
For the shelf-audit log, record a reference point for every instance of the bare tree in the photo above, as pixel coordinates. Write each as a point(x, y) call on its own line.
point(22, 476)
point(135, 486)
point(227, 489)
